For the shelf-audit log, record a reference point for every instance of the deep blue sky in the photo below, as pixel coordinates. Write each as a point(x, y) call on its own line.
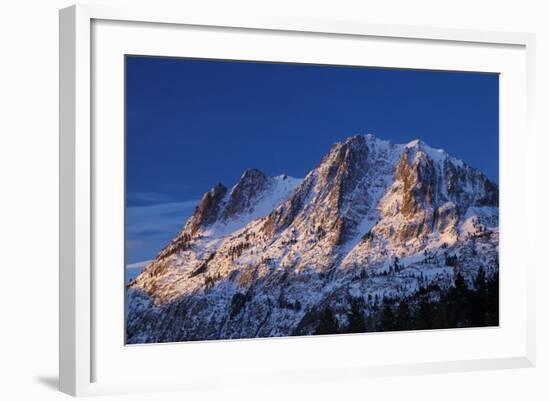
point(193, 123)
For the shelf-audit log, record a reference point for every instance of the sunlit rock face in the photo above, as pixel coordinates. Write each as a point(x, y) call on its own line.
point(373, 220)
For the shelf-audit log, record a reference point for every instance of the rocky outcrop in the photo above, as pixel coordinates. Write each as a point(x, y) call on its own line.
point(205, 214)
point(270, 257)
point(243, 195)
point(208, 210)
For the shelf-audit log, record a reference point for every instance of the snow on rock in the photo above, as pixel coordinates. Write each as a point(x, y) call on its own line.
point(372, 220)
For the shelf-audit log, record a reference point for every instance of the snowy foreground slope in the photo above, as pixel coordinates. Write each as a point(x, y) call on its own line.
point(372, 225)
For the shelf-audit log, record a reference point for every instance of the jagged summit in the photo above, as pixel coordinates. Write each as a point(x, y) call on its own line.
point(250, 186)
point(251, 172)
point(414, 143)
point(375, 143)
point(249, 253)
point(208, 210)
point(221, 211)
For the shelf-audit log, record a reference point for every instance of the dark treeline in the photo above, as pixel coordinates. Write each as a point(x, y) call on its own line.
point(428, 308)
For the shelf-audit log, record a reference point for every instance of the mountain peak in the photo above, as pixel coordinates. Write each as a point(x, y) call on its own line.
point(266, 258)
point(209, 206)
point(252, 173)
point(417, 145)
point(414, 143)
point(355, 139)
point(251, 185)
point(219, 187)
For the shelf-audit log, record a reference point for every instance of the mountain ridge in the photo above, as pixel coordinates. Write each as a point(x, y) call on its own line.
point(372, 219)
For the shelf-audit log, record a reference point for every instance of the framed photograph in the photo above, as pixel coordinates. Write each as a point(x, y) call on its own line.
point(272, 200)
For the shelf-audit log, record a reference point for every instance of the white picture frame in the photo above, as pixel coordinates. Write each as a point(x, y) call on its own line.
point(78, 224)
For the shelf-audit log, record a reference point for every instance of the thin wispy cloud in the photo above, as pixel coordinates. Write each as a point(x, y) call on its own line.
point(150, 227)
point(148, 197)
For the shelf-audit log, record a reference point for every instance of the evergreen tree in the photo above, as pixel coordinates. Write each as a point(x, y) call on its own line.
point(493, 300)
point(458, 306)
point(356, 319)
point(404, 318)
point(327, 323)
point(387, 321)
point(480, 280)
point(460, 284)
point(375, 304)
point(424, 314)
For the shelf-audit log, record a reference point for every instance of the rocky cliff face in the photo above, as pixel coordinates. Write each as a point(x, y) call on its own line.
point(372, 220)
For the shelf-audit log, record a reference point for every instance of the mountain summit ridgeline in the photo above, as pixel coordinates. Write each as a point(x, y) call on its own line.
point(373, 227)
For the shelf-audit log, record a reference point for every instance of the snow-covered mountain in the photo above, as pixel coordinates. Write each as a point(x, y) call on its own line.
point(373, 221)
